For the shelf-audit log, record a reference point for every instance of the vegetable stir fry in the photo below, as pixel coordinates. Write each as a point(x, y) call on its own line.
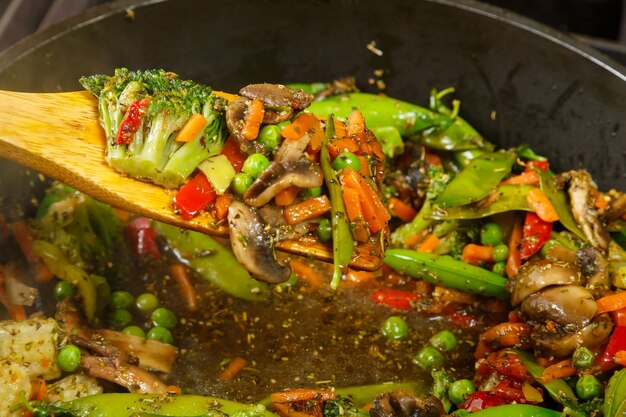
point(503, 291)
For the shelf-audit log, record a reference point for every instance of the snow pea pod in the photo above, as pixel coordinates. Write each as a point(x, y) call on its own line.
point(447, 271)
point(434, 129)
point(477, 179)
point(213, 262)
point(560, 202)
point(516, 410)
point(343, 242)
point(126, 405)
point(510, 197)
point(615, 396)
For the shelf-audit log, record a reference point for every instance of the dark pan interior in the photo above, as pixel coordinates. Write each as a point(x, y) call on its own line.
point(518, 82)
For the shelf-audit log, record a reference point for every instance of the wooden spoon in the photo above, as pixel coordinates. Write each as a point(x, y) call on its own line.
point(59, 135)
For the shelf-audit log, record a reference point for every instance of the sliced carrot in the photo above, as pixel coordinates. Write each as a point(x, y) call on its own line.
point(619, 317)
point(351, 179)
point(599, 201)
point(235, 366)
point(173, 390)
point(306, 210)
point(287, 196)
point(307, 273)
point(355, 125)
point(433, 159)
point(318, 136)
point(122, 214)
point(340, 129)
point(228, 96)
point(338, 146)
point(473, 253)
point(361, 277)
point(352, 203)
point(562, 369)
point(24, 237)
point(514, 260)
point(221, 206)
point(303, 123)
point(185, 285)
point(234, 154)
point(620, 357)
point(538, 201)
point(530, 177)
point(39, 390)
point(301, 394)
point(429, 244)
point(192, 129)
point(253, 120)
point(402, 210)
point(284, 410)
point(612, 302)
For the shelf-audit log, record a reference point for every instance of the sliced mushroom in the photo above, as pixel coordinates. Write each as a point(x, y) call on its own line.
point(595, 268)
point(252, 244)
point(581, 190)
point(280, 101)
point(340, 86)
point(137, 380)
point(236, 114)
point(400, 403)
point(536, 275)
point(558, 343)
point(570, 306)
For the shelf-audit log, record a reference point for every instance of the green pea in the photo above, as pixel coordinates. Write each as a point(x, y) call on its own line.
point(428, 357)
point(459, 390)
point(160, 334)
point(120, 317)
point(255, 164)
point(163, 317)
point(68, 358)
point(582, 358)
point(491, 234)
point(241, 182)
point(499, 253)
point(395, 328)
point(121, 299)
point(499, 268)
point(134, 331)
point(347, 160)
point(444, 341)
point(312, 192)
point(269, 137)
point(588, 387)
point(325, 230)
point(146, 302)
point(63, 290)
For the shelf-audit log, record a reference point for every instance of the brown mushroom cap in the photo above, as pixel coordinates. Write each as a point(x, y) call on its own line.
point(536, 275)
point(570, 306)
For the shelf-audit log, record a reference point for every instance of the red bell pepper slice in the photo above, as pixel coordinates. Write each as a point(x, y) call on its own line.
point(143, 239)
point(194, 196)
point(480, 400)
point(542, 165)
point(398, 299)
point(536, 232)
point(233, 153)
point(131, 121)
point(619, 317)
point(616, 343)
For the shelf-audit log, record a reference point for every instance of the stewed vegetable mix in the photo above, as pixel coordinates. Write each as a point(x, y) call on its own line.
point(502, 290)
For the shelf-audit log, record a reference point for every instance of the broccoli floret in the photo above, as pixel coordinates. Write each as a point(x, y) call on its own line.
point(161, 103)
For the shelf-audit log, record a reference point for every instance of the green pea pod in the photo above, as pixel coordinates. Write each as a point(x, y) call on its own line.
point(510, 198)
point(213, 262)
point(126, 405)
point(560, 202)
point(436, 130)
point(447, 271)
point(390, 140)
point(615, 396)
point(517, 410)
point(343, 242)
point(479, 178)
point(60, 266)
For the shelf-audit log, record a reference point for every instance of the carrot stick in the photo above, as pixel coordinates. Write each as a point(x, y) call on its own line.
point(352, 203)
point(306, 210)
point(122, 214)
point(561, 369)
point(307, 273)
point(185, 285)
point(538, 201)
point(25, 239)
point(235, 366)
point(514, 260)
point(303, 123)
point(192, 128)
point(433, 159)
point(530, 177)
point(429, 244)
point(473, 253)
point(340, 129)
point(221, 206)
point(338, 146)
point(38, 389)
point(361, 277)
point(374, 211)
point(402, 210)
point(284, 410)
point(253, 121)
point(287, 196)
point(355, 125)
point(318, 136)
point(228, 96)
point(301, 394)
point(620, 357)
point(611, 302)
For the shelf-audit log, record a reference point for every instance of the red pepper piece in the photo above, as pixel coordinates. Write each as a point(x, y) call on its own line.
point(616, 343)
point(131, 121)
point(542, 165)
point(505, 363)
point(194, 196)
point(510, 391)
point(480, 400)
point(536, 232)
point(463, 320)
point(401, 300)
point(233, 153)
point(143, 239)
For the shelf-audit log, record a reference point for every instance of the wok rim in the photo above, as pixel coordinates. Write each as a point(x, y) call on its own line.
point(90, 16)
